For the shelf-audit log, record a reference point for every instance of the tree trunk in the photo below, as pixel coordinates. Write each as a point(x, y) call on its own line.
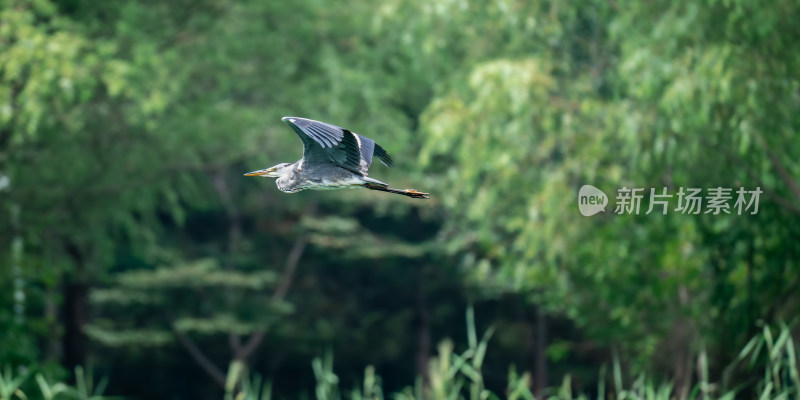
point(54, 345)
point(75, 305)
point(74, 343)
point(423, 330)
point(541, 357)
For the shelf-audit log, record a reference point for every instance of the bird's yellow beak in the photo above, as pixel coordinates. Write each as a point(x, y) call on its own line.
point(260, 172)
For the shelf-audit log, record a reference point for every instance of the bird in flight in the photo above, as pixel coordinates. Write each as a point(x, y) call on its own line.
point(333, 158)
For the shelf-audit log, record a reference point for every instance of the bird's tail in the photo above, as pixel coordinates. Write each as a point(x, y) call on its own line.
point(405, 192)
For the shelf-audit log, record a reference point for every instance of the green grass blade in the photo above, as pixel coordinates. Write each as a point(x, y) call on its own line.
point(9, 385)
point(20, 395)
point(780, 343)
point(80, 383)
point(101, 386)
point(793, 372)
point(458, 362)
point(617, 374)
point(601, 384)
point(757, 351)
point(480, 353)
point(266, 391)
point(471, 373)
point(472, 337)
point(748, 348)
point(704, 384)
point(767, 392)
point(44, 387)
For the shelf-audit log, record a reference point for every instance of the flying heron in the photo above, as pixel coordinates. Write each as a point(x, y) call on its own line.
point(333, 158)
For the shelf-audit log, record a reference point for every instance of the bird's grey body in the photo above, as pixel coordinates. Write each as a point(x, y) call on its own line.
point(333, 158)
point(299, 177)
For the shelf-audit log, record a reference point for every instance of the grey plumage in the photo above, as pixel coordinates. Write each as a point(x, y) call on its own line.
point(333, 158)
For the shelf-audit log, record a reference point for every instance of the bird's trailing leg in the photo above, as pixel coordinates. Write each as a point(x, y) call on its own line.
point(405, 192)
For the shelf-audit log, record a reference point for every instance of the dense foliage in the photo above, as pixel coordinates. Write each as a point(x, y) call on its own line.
point(132, 245)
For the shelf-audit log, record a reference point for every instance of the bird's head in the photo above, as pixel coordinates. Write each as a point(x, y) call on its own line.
point(271, 172)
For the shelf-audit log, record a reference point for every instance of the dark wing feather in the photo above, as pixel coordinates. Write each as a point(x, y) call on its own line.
point(324, 142)
point(385, 158)
point(351, 148)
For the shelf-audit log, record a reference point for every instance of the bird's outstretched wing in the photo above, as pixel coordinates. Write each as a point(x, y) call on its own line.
point(326, 143)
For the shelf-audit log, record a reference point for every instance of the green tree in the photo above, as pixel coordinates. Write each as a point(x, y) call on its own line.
point(640, 103)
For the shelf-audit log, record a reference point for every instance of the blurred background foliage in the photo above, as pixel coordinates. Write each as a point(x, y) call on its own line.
point(130, 242)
